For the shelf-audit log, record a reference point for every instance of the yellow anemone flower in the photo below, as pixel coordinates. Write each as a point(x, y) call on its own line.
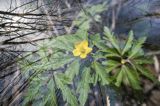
point(82, 49)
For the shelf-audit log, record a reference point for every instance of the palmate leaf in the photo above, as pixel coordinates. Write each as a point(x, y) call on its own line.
point(58, 60)
point(111, 65)
point(95, 39)
point(55, 61)
point(137, 47)
point(111, 55)
point(101, 72)
point(64, 79)
point(35, 91)
point(129, 42)
point(31, 94)
point(85, 25)
point(81, 34)
point(100, 45)
point(143, 60)
point(51, 97)
point(61, 61)
point(91, 10)
point(119, 77)
point(132, 76)
point(73, 69)
point(68, 96)
point(145, 72)
point(83, 86)
point(94, 79)
point(111, 52)
point(65, 42)
point(97, 9)
point(84, 17)
point(111, 38)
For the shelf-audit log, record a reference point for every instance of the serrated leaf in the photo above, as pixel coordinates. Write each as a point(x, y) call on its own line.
point(143, 60)
point(96, 9)
point(63, 78)
point(111, 55)
point(66, 91)
point(66, 42)
point(137, 47)
point(95, 38)
point(73, 69)
point(100, 71)
point(60, 61)
point(100, 45)
point(119, 77)
point(56, 61)
point(145, 72)
point(95, 79)
point(111, 62)
point(111, 38)
point(111, 65)
point(83, 86)
point(111, 52)
point(128, 43)
point(51, 96)
point(132, 77)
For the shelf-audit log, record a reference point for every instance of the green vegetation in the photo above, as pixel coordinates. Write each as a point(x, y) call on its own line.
point(112, 62)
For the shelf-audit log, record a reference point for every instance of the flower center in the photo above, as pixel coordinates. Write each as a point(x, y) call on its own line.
point(83, 50)
point(123, 61)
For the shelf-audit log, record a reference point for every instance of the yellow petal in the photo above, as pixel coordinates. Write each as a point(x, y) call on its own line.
point(83, 55)
point(88, 50)
point(76, 52)
point(84, 43)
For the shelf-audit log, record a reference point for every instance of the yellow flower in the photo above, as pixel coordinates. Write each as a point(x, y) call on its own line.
point(82, 49)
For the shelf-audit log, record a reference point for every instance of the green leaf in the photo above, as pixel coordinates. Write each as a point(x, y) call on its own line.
point(63, 78)
point(137, 47)
point(101, 45)
point(119, 77)
point(111, 65)
point(111, 52)
point(98, 55)
point(111, 38)
point(132, 77)
point(94, 79)
point(95, 38)
point(92, 10)
point(145, 72)
point(128, 43)
point(100, 71)
point(66, 42)
point(143, 60)
point(59, 60)
point(66, 91)
point(83, 87)
point(83, 20)
point(73, 69)
point(96, 9)
point(51, 96)
point(111, 55)
point(81, 34)
point(55, 61)
point(111, 62)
